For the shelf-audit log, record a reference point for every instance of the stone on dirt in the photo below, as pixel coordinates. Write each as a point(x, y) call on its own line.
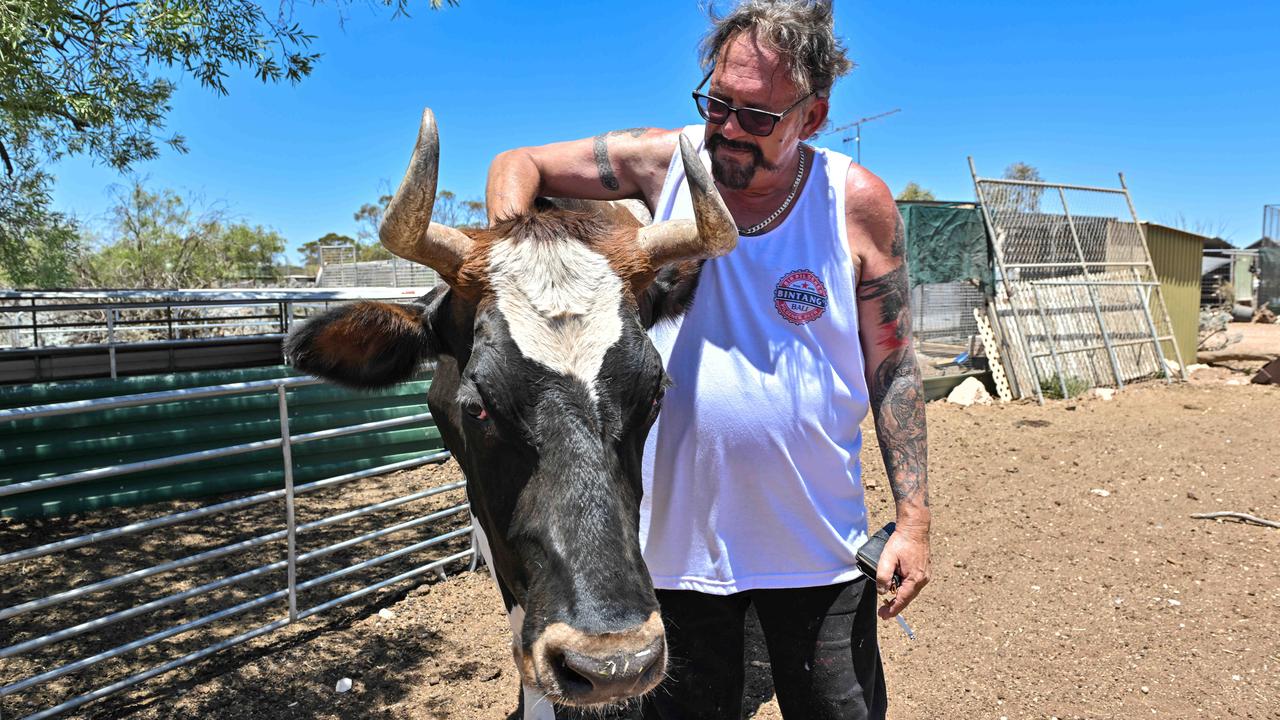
point(343, 685)
point(1104, 393)
point(969, 392)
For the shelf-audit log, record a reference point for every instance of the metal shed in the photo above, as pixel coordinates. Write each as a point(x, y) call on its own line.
point(1176, 255)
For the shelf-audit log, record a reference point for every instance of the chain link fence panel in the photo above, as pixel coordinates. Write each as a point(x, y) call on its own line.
point(1077, 297)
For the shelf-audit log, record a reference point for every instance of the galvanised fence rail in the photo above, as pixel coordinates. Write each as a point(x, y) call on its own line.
point(286, 598)
point(36, 325)
point(1078, 298)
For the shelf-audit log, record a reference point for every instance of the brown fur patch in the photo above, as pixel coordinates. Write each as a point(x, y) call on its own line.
point(354, 338)
point(628, 261)
point(407, 314)
point(607, 229)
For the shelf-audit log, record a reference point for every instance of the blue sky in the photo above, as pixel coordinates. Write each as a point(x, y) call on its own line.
point(1181, 96)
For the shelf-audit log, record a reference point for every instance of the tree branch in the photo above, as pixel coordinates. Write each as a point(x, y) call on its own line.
point(1244, 517)
point(79, 124)
point(8, 164)
point(102, 16)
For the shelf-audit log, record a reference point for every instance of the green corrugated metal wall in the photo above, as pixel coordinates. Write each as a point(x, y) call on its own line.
point(47, 447)
point(1176, 256)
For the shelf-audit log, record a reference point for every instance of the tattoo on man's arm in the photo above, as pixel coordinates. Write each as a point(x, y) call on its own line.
point(603, 166)
point(897, 402)
point(898, 408)
point(600, 148)
point(890, 290)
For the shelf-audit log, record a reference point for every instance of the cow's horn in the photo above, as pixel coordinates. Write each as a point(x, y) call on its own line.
point(712, 233)
point(406, 228)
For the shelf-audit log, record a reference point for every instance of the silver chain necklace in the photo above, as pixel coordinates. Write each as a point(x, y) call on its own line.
point(785, 203)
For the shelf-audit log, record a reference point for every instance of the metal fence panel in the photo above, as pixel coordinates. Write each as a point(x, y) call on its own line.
point(950, 269)
point(340, 267)
point(101, 439)
point(74, 334)
point(126, 618)
point(1078, 297)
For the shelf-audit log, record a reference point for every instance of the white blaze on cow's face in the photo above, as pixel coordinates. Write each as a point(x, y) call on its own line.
point(560, 301)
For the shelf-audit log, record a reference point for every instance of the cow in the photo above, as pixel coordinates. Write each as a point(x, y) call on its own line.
point(545, 388)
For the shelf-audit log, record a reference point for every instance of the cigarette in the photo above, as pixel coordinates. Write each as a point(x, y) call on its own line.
point(905, 627)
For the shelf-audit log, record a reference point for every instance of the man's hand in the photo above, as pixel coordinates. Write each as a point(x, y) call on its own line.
point(906, 554)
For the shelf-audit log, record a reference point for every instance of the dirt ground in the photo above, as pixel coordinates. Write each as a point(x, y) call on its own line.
point(1069, 581)
point(1250, 341)
point(28, 580)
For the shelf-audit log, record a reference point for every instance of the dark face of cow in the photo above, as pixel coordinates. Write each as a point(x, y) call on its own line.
point(553, 401)
point(545, 388)
point(544, 391)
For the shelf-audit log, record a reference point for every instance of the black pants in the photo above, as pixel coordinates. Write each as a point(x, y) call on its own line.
point(822, 649)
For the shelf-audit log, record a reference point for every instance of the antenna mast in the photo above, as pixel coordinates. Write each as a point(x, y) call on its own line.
point(856, 125)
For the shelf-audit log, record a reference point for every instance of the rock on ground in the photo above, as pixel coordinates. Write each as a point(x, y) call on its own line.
point(969, 392)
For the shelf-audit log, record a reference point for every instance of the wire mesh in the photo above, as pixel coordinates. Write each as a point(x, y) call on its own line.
point(943, 312)
point(1078, 298)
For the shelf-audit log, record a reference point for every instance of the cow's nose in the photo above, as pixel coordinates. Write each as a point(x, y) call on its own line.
point(616, 675)
point(599, 669)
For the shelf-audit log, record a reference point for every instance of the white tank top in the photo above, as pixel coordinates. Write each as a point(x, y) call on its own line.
point(751, 474)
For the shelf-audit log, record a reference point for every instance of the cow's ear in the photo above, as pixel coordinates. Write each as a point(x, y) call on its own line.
point(367, 344)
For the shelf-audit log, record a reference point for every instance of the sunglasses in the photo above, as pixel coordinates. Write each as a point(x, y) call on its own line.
point(756, 122)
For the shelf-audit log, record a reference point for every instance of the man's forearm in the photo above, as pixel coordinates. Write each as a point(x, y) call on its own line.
point(897, 403)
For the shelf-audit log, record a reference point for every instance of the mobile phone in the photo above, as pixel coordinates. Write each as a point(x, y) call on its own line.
point(869, 554)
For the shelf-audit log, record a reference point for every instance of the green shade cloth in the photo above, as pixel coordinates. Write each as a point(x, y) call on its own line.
point(1269, 275)
point(946, 244)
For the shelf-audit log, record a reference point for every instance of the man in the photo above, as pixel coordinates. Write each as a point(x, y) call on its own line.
point(753, 489)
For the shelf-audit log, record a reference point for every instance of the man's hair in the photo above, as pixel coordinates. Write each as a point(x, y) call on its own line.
point(801, 31)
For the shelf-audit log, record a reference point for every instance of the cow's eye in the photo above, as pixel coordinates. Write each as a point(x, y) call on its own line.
point(475, 409)
point(656, 406)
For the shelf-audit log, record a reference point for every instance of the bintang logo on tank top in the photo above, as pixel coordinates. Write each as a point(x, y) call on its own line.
point(800, 297)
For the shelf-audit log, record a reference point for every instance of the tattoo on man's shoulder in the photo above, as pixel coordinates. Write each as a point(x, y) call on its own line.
point(633, 132)
point(601, 150)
